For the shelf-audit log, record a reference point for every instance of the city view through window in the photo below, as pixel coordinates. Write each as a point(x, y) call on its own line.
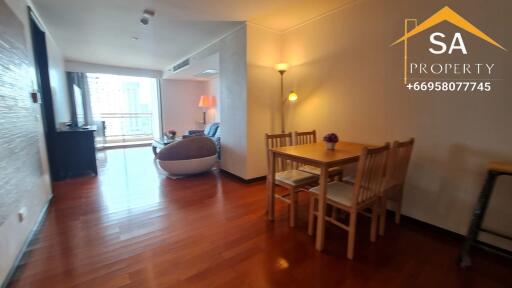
point(126, 105)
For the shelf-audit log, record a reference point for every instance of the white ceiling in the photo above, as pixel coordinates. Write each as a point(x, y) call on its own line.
point(100, 31)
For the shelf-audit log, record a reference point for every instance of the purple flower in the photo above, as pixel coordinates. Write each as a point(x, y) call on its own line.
point(331, 138)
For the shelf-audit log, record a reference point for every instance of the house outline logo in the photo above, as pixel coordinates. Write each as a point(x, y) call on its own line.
point(445, 14)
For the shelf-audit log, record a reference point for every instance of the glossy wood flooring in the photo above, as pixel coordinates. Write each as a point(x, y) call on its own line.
point(133, 227)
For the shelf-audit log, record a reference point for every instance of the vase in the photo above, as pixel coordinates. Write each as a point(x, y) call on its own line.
point(330, 145)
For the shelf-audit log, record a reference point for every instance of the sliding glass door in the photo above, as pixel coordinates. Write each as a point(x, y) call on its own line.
point(126, 107)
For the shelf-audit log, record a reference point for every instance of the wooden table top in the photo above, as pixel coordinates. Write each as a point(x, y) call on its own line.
point(316, 152)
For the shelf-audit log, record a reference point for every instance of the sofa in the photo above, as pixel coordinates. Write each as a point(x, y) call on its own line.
point(211, 131)
point(189, 156)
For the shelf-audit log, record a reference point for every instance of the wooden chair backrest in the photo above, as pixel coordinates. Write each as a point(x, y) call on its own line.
point(276, 141)
point(370, 174)
point(305, 137)
point(399, 158)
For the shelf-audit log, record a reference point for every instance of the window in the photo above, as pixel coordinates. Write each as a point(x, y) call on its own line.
point(126, 106)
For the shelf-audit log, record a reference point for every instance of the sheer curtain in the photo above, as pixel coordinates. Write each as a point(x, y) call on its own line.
point(126, 104)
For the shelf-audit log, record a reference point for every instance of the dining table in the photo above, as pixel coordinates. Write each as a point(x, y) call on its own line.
point(314, 154)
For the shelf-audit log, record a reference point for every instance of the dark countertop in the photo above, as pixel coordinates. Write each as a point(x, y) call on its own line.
point(77, 129)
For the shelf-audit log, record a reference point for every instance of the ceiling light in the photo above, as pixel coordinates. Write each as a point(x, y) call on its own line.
point(135, 38)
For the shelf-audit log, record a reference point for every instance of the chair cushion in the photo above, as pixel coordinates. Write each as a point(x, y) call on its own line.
point(337, 192)
point(350, 179)
point(211, 129)
point(316, 171)
point(295, 177)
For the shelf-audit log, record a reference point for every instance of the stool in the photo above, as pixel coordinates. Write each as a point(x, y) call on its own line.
point(494, 170)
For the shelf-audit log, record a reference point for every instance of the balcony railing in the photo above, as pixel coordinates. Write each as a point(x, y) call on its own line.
point(125, 127)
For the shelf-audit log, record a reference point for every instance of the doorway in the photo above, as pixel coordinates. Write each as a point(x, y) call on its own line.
point(38, 37)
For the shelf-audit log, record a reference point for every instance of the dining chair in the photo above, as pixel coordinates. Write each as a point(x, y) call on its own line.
point(287, 175)
point(309, 137)
point(396, 172)
point(305, 137)
point(355, 198)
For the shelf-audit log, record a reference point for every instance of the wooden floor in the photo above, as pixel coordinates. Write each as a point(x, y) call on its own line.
point(133, 227)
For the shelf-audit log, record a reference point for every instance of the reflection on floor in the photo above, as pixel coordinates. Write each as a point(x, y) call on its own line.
point(128, 180)
point(133, 227)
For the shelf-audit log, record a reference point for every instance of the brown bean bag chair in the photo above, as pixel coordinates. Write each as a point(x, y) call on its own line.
point(188, 156)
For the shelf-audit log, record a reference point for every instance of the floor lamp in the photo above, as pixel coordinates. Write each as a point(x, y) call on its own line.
point(281, 68)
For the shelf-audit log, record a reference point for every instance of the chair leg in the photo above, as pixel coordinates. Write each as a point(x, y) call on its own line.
point(398, 210)
point(383, 206)
point(352, 235)
point(293, 207)
point(311, 216)
point(375, 221)
point(335, 213)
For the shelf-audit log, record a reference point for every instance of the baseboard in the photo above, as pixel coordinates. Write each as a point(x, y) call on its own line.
point(478, 244)
point(34, 230)
point(245, 181)
point(426, 225)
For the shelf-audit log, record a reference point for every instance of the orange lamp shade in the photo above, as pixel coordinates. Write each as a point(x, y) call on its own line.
point(205, 102)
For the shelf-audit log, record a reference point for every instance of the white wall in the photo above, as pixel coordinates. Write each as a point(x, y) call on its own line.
point(263, 95)
point(58, 82)
point(348, 80)
point(179, 104)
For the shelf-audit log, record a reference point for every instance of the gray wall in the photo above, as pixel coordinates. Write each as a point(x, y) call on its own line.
point(233, 96)
point(24, 173)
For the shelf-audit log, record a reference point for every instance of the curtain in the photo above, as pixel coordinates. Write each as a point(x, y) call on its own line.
point(80, 80)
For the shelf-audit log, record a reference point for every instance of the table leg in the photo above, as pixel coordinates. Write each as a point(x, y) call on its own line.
point(270, 186)
point(320, 226)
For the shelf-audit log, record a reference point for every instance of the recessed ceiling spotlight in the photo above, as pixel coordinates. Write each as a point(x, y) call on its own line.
point(209, 73)
point(135, 38)
point(146, 15)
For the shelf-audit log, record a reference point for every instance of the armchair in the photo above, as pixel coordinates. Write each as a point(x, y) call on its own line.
point(212, 131)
